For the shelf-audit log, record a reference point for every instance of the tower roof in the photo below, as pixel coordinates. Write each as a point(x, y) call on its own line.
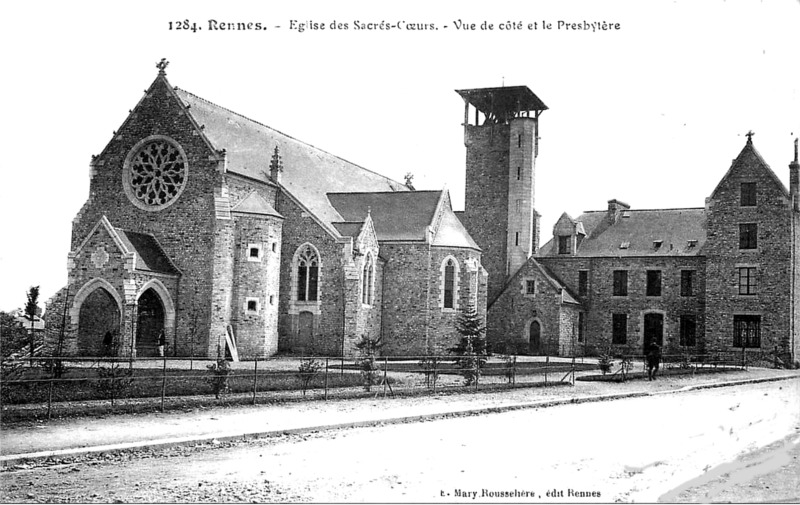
point(502, 102)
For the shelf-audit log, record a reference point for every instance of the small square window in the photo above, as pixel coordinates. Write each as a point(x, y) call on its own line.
point(251, 305)
point(274, 247)
point(748, 236)
point(530, 287)
point(748, 194)
point(253, 252)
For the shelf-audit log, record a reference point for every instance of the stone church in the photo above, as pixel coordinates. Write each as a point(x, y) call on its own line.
point(229, 236)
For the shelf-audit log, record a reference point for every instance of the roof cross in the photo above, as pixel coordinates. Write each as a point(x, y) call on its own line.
point(749, 136)
point(162, 66)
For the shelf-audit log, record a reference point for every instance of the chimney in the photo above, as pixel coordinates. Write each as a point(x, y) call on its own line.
point(794, 179)
point(276, 166)
point(615, 209)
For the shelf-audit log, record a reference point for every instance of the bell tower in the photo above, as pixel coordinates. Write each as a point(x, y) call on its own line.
point(501, 133)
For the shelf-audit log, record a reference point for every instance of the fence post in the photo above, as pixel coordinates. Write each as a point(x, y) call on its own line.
point(255, 379)
point(49, 399)
point(163, 381)
point(326, 376)
point(385, 366)
point(477, 369)
point(546, 366)
point(435, 372)
point(514, 371)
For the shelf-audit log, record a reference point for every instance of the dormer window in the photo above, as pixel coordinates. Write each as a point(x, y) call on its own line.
point(625, 245)
point(657, 244)
point(748, 194)
point(691, 243)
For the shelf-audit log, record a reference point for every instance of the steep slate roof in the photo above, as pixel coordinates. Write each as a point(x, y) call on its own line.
point(674, 227)
point(308, 172)
point(404, 216)
point(395, 216)
point(749, 151)
point(149, 255)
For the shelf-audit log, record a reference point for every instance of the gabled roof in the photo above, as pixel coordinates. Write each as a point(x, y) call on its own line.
point(403, 216)
point(149, 255)
point(749, 154)
point(638, 233)
point(396, 216)
point(308, 172)
point(254, 203)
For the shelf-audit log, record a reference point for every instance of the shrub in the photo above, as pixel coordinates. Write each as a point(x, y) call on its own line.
point(430, 367)
point(219, 373)
point(306, 372)
point(605, 361)
point(113, 381)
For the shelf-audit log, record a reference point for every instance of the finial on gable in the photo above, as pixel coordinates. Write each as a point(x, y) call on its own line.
point(795, 150)
point(749, 136)
point(162, 66)
point(410, 181)
point(276, 165)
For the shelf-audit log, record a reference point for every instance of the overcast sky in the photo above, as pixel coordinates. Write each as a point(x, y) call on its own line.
point(651, 113)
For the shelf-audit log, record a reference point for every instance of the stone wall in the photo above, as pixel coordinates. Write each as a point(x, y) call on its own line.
point(772, 257)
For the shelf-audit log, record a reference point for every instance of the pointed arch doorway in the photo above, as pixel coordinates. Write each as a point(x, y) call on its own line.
point(535, 338)
point(149, 323)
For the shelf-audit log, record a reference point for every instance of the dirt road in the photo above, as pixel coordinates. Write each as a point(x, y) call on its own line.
point(638, 449)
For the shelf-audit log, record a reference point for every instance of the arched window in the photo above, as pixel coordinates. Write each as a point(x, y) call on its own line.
point(450, 283)
point(366, 280)
point(307, 274)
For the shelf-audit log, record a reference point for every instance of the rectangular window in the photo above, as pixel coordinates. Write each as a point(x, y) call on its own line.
point(654, 283)
point(583, 282)
point(748, 281)
point(687, 282)
point(620, 283)
point(580, 326)
point(516, 238)
point(619, 328)
point(748, 195)
point(746, 331)
point(563, 244)
point(530, 287)
point(748, 236)
point(449, 286)
point(519, 173)
point(688, 329)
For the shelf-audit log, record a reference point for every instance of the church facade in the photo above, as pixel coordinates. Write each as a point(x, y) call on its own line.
point(229, 236)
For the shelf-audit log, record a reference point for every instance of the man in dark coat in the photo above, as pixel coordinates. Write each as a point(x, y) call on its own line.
point(653, 360)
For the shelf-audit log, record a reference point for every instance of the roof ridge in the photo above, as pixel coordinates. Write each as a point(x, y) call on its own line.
point(284, 134)
point(383, 192)
point(645, 210)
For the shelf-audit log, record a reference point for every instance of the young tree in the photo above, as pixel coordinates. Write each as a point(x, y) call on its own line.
point(471, 348)
point(31, 309)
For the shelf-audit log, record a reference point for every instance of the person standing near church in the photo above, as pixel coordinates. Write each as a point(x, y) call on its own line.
point(161, 342)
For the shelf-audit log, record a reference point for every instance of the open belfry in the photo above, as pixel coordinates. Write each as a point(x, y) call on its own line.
point(211, 233)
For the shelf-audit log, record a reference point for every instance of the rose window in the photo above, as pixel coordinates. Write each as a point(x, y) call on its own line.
point(155, 173)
